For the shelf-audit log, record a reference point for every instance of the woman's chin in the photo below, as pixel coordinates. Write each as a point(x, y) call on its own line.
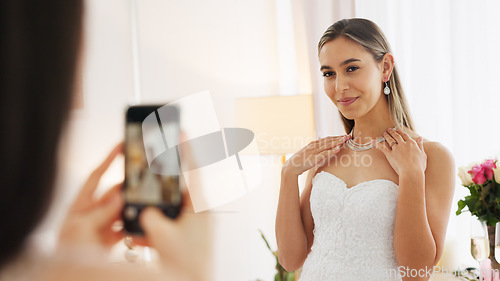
point(349, 115)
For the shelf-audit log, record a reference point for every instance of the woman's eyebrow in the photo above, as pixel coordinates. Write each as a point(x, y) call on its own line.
point(349, 61)
point(343, 63)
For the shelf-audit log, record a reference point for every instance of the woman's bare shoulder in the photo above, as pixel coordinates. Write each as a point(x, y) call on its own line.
point(432, 147)
point(438, 156)
point(440, 170)
point(437, 150)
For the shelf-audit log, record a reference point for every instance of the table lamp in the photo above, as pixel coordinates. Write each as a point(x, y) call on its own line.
point(281, 124)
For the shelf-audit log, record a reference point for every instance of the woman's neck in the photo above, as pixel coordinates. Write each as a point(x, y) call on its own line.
point(373, 124)
point(365, 132)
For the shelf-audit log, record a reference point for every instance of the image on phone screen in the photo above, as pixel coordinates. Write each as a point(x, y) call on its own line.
point(154, 182)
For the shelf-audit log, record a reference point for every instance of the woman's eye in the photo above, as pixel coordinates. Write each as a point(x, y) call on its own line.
point(352, 68)
point(328, 74)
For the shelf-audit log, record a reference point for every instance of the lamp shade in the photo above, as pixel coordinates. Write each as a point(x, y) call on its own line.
point(281, 124)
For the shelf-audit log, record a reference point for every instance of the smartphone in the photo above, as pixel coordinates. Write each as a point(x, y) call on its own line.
point(152, 167)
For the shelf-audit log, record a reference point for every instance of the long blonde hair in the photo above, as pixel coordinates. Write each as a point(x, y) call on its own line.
point(368, 34)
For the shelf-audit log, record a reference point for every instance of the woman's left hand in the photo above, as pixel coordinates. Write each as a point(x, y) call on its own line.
point(405, 154)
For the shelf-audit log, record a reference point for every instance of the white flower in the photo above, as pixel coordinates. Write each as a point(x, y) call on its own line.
point(496, 173)
point(466, 177)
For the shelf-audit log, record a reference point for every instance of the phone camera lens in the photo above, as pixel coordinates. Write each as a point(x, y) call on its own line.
point(130, 213)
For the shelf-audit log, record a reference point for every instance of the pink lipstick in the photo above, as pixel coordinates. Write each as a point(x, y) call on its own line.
point(347, 101)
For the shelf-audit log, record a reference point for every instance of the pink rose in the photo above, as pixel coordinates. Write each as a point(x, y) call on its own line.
point(488, 167)
point(477, 173)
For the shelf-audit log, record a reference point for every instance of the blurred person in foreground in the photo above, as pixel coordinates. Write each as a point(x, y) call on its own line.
point(40, 43)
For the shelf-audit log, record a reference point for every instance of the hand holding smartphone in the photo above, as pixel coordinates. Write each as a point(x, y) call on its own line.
point(152, 167)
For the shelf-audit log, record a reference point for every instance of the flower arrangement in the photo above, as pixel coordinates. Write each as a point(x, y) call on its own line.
point(282, 274)
point(483, 182)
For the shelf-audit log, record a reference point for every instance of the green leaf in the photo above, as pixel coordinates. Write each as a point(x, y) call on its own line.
point(265, 240)
point(277, 277)
point(289, 276)
point(471, 202)
point(497, 190)
point(473, 189)
point(461, 205)
point(487, 188)
point(491, 220)
point(278, 265)
point(477, 206)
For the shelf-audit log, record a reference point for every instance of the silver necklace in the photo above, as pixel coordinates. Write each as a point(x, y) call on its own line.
point(361, 146)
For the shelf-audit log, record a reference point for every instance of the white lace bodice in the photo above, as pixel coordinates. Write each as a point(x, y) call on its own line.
point(353, 230)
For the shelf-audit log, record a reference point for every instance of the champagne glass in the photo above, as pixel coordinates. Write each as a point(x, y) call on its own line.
point(479, 242)
point(497, 242)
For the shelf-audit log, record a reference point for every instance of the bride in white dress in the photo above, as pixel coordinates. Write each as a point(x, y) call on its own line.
point(377, 200)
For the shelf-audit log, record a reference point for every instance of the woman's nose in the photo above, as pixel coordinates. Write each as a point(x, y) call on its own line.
point(340, 84)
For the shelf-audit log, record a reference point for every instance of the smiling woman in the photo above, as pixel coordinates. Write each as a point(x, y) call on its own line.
point(337, 230)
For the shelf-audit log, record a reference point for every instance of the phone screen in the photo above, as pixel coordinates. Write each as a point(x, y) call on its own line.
point(151, 165)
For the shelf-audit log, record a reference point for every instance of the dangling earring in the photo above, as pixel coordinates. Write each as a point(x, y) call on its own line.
point(387, 91)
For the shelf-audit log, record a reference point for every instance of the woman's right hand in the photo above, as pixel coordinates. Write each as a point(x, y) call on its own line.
point(184, 244)
point(316, 154)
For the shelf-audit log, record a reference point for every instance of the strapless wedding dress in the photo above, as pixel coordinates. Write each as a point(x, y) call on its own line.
point(353, 231)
